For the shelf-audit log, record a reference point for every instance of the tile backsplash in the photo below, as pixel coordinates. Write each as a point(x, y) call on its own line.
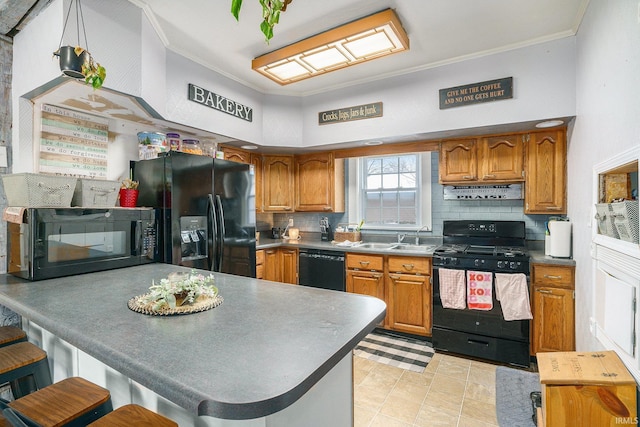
point(505, 210)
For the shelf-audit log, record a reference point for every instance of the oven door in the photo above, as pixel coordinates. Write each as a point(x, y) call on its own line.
point(478, 333)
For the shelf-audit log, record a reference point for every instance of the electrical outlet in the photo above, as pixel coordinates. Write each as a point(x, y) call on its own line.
point(290, 222)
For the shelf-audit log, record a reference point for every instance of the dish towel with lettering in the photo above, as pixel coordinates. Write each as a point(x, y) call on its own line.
point(479, 290)
point(452, 288)
point(513, 293)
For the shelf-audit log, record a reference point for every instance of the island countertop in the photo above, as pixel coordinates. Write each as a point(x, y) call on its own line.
point(258, 352)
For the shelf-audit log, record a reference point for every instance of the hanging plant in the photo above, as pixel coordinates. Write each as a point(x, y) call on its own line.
point(76, 61)
point(270, 14)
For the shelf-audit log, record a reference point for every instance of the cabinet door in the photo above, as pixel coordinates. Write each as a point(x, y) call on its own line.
point(315, 183)
point(236, 155)
point(366, 283)
point(458, 161)
point(278, 183)
point(260, 264)
point(546, 171)
point(289, 266)
point(501, 158)
point(256, 161)
point(410, 303)
point(271, 265)
point(553, 319)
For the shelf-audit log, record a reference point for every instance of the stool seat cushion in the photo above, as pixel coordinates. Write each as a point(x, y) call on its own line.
point(18, 355)
point(62, 402)
point(133, 415)
point(11, 334)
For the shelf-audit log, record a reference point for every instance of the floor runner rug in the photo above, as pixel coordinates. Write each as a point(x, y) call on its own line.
point(513, 396)
point(402, 352)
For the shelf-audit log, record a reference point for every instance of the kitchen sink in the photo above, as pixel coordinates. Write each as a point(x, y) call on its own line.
point(412, 248)
point(378, 246)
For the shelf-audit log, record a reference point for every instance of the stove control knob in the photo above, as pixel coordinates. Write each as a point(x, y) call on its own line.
point(455, 261)
point(478, 262)
point(500, 264)
point(512, 265)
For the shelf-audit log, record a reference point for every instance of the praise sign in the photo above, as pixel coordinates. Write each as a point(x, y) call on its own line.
point(220, 103)
point(475, 93)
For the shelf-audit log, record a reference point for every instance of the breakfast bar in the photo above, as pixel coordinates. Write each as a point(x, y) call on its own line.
point(271, 353)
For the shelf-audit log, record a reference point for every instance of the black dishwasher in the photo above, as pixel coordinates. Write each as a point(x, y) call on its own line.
point(322, 269)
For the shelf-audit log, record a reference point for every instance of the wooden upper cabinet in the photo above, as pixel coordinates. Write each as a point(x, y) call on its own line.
point(278, 188)
point(501, 158)
point(236, 155)
point(546, 173)
point(458, 161)
point(319, 183)
point(256, 161)
point(479, 161)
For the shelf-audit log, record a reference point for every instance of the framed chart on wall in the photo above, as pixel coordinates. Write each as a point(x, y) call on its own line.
point(72, 143)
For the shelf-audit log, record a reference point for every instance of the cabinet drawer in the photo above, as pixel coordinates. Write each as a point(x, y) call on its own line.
point(411, 265)
point(259, 257)
point(553, 275)
point(364, 261)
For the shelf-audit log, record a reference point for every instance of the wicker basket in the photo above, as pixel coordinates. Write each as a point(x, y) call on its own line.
point(96, 193)
point(626, 219)
point(341, 236)
point(32, 190)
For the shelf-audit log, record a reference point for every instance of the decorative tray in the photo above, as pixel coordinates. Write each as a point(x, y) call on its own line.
point(203, 303)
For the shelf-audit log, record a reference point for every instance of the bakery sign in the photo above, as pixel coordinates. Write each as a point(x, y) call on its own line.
point(474, 93)
point(483, 192)
point(358, 112)
point(220, 103)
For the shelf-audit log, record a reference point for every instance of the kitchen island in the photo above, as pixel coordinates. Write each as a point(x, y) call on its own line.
point(270, 354)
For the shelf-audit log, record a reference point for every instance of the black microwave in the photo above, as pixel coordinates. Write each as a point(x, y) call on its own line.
point(55, 242)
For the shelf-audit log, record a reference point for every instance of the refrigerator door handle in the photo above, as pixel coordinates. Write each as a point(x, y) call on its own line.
point(222, 234)
point(213, 245)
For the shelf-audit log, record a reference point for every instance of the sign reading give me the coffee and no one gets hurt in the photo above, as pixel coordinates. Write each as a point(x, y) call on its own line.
point(474, 93)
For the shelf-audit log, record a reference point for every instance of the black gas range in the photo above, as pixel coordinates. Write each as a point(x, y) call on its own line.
point(490, 247)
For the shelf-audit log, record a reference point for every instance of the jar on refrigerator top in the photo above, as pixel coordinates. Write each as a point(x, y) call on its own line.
point(174, 141)
point(191, 146)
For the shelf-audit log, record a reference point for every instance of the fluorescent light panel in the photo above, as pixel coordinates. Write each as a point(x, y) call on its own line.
point(368, 38)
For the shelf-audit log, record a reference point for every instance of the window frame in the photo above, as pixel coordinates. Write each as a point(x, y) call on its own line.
point(356, 193)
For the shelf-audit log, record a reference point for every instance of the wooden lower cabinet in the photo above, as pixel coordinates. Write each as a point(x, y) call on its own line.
point(409, 303)
point(260, 264)
point(553, 325)
point(280, 265)
point(409, 294)
point(403, 283)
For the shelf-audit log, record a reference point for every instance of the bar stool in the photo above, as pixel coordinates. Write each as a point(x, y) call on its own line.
point(21, 361)
point(72, 402)
point(11, 335)
point(133, 415)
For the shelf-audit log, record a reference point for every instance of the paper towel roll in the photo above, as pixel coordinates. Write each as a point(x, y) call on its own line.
point(560, 232)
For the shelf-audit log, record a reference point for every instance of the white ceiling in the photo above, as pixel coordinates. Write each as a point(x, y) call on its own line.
point(440, 32)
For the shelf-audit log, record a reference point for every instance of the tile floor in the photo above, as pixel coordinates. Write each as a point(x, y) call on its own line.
point(451, 392)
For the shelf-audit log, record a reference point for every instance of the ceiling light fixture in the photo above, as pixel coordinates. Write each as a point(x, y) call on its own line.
point(371, 37)
point(373, 143)
point(249, 147)
point(549, 123)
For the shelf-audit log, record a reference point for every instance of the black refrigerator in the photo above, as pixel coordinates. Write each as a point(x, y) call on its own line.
point(205, 209)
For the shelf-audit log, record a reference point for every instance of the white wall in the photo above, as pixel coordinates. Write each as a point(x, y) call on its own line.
point(543, 81)
point(607, 123)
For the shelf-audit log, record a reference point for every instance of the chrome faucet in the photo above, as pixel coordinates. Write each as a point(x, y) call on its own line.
point(401, 237)
point(417, 234)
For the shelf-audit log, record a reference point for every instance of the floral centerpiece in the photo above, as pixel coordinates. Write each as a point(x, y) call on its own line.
point(179, 289)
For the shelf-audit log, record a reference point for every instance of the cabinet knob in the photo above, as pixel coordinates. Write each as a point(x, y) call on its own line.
point(553, 208)
point(468, 177)
point(544, 291)
point(394, 276)
point(408, 266)
point(548, 276)
point(364, 263)
point(488, 176)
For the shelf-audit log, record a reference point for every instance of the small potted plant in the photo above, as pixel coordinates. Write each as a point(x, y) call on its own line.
point(77, 62)
point(129, 193)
